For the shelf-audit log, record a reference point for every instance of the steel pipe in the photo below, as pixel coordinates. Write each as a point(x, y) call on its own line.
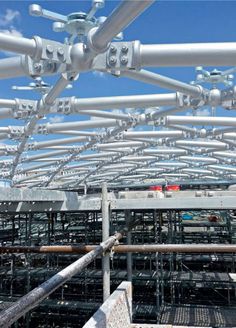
point(200, 143)
point(33, 298)
point(12, 67)
point(165, 151)
point(122, 145)
point(120, 18)
point(162, 248)
point(200, 120)
point(188, 54)
point(17, 44)
point(105, 234)
point(51, 128)
point(102, 114)
point(164, 82)
point(120, 102)
point(152, 134)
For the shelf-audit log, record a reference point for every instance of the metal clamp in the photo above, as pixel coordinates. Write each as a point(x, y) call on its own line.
point(119, 56)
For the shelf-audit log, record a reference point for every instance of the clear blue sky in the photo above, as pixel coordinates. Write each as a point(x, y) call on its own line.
point(163, 22)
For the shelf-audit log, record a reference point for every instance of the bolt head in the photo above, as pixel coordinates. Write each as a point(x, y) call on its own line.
point(60, 51)
point(113, 49)
point(113, 60)
point(49, 49)
point(124, 49)
point(124, 60)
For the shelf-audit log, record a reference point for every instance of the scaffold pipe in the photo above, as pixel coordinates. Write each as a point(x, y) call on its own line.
point(38, 294)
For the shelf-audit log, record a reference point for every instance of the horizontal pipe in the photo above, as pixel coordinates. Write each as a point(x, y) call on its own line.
point(200, 120)
point(152, 134)
point(17, 44)
point(6, 113)
point(201, 143)
point(51, 128)
point(38, 294)
point(120, 18)
point(44, 144)
point(195, 159)
point(114, 145)
point(12, 67)
point(46, 155)
point(102, 114)
point(120, 102)
point(163, 81)
point(222, 168)
point(162, 248)
point(78, 133)
point(188, 54)
point(165, 151)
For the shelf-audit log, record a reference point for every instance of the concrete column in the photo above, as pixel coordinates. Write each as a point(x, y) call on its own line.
point(105, 235)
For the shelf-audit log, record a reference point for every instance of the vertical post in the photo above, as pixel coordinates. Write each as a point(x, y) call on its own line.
point(105, 235)
point(129, 242)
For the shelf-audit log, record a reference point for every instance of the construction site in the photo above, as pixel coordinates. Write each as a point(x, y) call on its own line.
point(117, 210)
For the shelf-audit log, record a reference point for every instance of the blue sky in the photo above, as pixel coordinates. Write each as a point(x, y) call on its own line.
point(163, 22)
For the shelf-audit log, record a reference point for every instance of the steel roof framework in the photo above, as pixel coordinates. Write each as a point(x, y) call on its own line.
point(171, 147)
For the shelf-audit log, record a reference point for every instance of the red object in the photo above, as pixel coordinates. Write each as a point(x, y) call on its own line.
point(172, 188)
point(155, 188)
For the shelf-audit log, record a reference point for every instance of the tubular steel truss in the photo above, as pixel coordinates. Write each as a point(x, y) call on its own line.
point(169, 148)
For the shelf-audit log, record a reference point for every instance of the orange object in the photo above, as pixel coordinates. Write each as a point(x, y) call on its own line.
point(155, 188)
point(173, 188)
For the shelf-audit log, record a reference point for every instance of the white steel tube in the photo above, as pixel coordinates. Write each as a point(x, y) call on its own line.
point(188, 54)
point(17, 44)
point(200, 143)
point(163, 81)
point(120, 102)
point(200, 120)
point(96, 113)
point(51, 128)
point(5, 129)
point(200, 171)
point(45, 155)
point(223, 168)
point(120, 18)
point(225, 154)
point(11, 67)
point(152, 134)
point(45, 144)
point(120, 145)
point(198, 159)
point(165, 151)
point(6, 113)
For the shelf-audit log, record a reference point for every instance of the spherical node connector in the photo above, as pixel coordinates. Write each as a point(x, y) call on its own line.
point(215, 97)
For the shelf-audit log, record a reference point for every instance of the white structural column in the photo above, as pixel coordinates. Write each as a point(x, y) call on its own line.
point(105, 235)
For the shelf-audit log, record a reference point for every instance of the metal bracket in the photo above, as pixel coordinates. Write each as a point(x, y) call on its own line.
point(119, 56)
point(17, 132)
point(25, 108)
point(64, 105)
point(52, 50)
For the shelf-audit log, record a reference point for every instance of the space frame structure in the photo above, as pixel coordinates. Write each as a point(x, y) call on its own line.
point(172, 147)
point(85, 153)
